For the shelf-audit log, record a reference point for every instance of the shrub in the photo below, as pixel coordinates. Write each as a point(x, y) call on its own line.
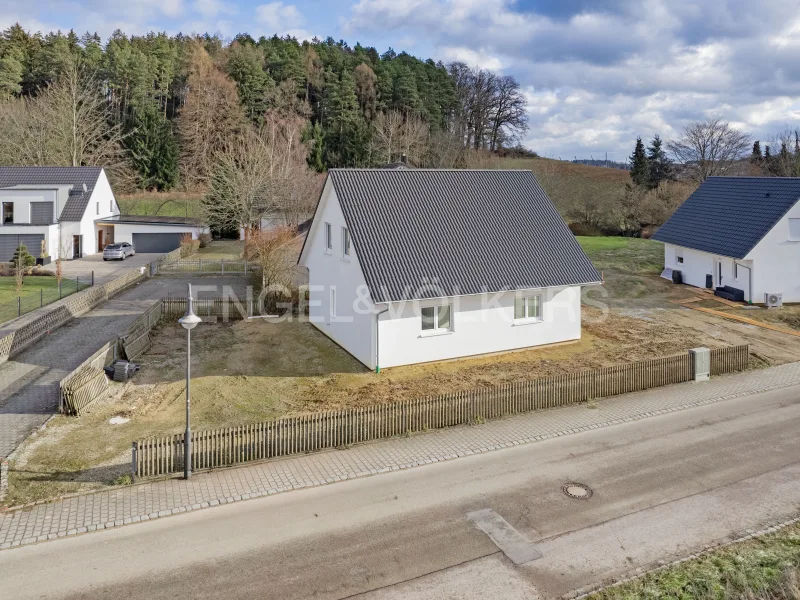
point(585, 229)
point(23, 257)
point(204, 239)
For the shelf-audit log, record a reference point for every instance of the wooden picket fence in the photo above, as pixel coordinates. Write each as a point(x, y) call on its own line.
point(172, 308)
point(332, 429)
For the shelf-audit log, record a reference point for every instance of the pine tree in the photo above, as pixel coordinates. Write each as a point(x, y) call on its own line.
point(756, 156)
point(640, 166)
point(153, 149)
point(660, 164)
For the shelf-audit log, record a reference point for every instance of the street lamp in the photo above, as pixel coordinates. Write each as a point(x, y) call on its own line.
point(189, 322)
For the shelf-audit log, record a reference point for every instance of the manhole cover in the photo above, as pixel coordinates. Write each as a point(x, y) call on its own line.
point(577, 491)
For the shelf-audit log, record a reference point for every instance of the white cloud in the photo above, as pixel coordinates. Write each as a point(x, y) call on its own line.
point(279, 17)
point(474, 58)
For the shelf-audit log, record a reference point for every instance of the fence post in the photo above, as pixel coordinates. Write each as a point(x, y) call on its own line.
point(19, 306)
point(41, 297)
point(133, 462)
point(59, 289)
point(222, 262)
point(92, 278)
point(3, 479)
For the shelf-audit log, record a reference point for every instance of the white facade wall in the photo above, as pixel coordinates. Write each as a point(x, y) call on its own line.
point(22, 199)
point(123, 232)
point(481, 324)
point(101, 205)
point(352, 329)
point(697, 264)
point(777, 262)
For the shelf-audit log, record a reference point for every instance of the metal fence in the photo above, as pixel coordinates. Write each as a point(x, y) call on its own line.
point(37, 294)
point(332, 429)
point(206, 266)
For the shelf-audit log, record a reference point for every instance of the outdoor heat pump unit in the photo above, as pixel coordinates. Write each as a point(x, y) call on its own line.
point(773, 300)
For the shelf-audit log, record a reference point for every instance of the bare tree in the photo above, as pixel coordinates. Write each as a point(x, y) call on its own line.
point(69, 123)
point(786, 161)
point(272, 249)
point(509, 116)
point(709, 148)
point(211, 120)
point(387, 129)
point(262, 171)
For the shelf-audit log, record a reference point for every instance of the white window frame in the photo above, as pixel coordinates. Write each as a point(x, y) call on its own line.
point(437, 329)
point(678, 259)
point(98, 208)
point(328, 238)
point(347, 243)
point(527, 302)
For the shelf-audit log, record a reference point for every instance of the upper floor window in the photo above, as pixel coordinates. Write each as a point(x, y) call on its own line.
point(98, 208)
point(328, 237)
point(528, 308)
point(345, 242)
point(436, 318)
point(8, 212)
point(794, 230)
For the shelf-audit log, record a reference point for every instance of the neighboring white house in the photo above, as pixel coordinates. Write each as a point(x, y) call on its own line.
point(72, 212)
point(741, 232)
point(416, 265)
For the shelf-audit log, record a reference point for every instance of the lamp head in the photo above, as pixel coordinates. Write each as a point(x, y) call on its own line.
point(189, 320)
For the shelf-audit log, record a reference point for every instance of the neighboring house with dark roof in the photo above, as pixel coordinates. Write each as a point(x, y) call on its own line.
point(417, 265)
point(741, 232)
point(71, 212)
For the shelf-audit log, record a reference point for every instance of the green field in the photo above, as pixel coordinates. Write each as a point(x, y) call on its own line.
point(36, 291)
point(167, 204)
point(629, 255)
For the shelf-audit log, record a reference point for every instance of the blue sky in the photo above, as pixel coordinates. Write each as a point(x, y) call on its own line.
point(597, 74)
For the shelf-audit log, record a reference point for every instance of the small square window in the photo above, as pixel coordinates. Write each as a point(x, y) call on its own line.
point(528, 308)
point(437, 318)
point(345, 242)
point(679, 260)
point(328, 237)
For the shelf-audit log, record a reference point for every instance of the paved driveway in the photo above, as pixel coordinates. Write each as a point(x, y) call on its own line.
point(103, 270)
point(29, 382)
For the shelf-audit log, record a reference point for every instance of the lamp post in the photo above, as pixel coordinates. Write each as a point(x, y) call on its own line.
point(189, 321)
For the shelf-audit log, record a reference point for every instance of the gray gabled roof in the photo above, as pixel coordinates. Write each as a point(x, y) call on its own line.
point(75, 176)
point(730, 215)
point(427, 233)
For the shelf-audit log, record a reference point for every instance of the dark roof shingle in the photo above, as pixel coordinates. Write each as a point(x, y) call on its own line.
point(426, 233)
point(75, 176)
point(730, 215)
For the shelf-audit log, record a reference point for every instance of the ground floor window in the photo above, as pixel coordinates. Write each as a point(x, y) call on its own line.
point(528, 308)
point(8, 212)
point(436, 318)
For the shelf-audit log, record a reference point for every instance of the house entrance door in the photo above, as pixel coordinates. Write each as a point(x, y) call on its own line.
point(77, 249)
point(100, 240)
point(718, 273)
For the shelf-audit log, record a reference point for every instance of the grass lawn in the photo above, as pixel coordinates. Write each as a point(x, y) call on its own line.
point(221, 249)
point(631, 255)
point(766, 567)
point(35, 291)
point(168, 204)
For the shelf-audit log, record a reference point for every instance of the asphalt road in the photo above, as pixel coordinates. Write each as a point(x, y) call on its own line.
point(662, 486)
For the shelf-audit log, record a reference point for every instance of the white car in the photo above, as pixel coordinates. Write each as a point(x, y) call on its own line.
point(118, 251)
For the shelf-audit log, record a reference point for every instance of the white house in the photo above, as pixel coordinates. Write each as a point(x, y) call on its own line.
point(740, 232)
point(416, 265)
point(71, 211)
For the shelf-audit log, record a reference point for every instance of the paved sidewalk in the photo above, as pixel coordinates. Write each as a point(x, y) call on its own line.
point(132, 504)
